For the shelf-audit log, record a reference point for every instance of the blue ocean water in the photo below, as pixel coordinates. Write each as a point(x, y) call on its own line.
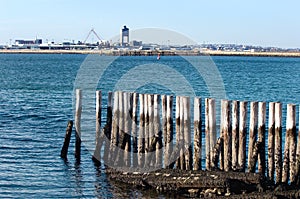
point(36, 102)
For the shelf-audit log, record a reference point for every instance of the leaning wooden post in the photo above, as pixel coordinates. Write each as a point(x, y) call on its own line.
point(252, 132)
point(271, 141)
point(78, 111)
point(187, 133)
point(141, 139)
point(134, 118)
point(177, 115)
point(235, 134)
point(197, 134)
point(291, 131)
point(242, 136)
point(261, 137)
point(226, 133)
point(169, 134)
point(97, 156)
point(157, 131)
point(64, 150)
point(278, 141)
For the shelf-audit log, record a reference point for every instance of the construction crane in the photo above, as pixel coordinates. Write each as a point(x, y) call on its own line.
point(92, 31)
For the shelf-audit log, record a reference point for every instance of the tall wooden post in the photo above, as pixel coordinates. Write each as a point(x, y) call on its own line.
point(169, 134)
point(278, 141)
point(291, 132)
point(181, 133)
point(115, 129)
point(197, 134)
point(235, 134)
point(226, 133)
point(261, 137)
point(157, 131)
point(78, 111)
point(271, 141)
point(135, 97)
point(253, 132)
point(97, 156)
point(141, 139)
point(177, 115)
point(187, 133)
point(242, 136)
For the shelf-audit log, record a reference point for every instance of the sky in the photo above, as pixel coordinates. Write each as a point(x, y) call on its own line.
point(256, 22)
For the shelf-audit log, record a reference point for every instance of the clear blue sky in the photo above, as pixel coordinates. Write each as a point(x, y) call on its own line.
point(257, 22)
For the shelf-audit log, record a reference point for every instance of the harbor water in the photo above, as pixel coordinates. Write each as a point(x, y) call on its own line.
point(36, 99)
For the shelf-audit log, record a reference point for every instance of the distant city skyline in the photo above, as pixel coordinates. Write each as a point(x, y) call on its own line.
point(259, 23)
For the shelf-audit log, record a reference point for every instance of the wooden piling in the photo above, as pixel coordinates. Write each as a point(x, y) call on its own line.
point(151, 129)
point(164, 128)
point(297, 174)
point(108, 126)
point(252, 131)
point(127, 129)
point(242, 136)
point(261, 137)
point(197, 134)
point(141, 133)
point(187, 133)
point(169, 134)
point(207, 134)
point(291, 132)
point(278, 141)
point(177, 115)
point(64, 150)
point(97, 157)
point(235, 134)
point(134, 117)
point(78, 111)
point(226, 133)
point(157, 131)
point(146, 128)
point(271, 141)
point(181, 135)
point(115, 129)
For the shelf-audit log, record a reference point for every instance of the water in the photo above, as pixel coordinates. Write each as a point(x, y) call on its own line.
point(36, 103)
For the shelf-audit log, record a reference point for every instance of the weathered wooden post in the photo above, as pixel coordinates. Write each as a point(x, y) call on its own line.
point(261, 137)
point(157, 131)
point(242, 136)
point(146, 128)
point(181, 133)
point(207, 134)
point(197, 134)
point(252, 134)
point(226, 133)
point(151, 137)
point(108, 126)
point(115, 129)
point(297, 174)
point(135, 97)
point(278, 141)
point(177, 115)
point(187, 133)
point(291, 132)
point(97, 157)
point(64, 150)
point(169, 134)
point(271, 141)
point(235, 134)
point(127, 129)
point(78, 111)
point(141, 139)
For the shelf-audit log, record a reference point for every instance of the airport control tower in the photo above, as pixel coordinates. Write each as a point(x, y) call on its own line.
point(124, 40)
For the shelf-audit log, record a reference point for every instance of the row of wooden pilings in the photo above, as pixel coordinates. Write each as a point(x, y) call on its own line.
point(139, 133)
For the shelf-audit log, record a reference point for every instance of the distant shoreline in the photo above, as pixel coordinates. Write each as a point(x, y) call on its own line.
point(112, 52)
